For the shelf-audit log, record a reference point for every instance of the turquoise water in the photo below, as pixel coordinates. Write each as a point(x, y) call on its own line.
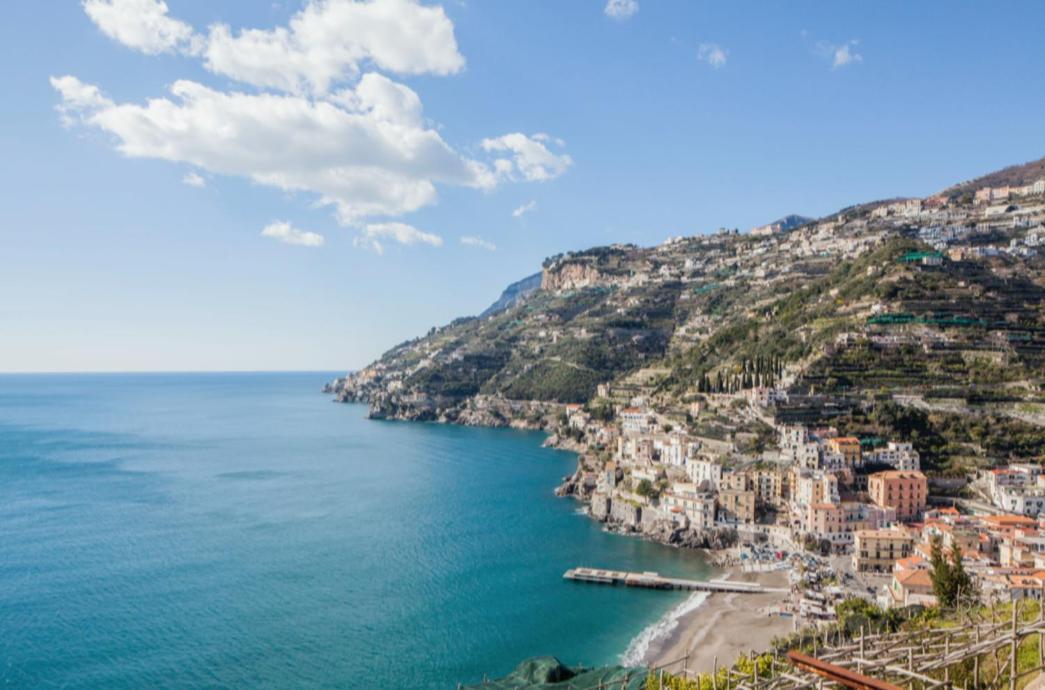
point(240, 530)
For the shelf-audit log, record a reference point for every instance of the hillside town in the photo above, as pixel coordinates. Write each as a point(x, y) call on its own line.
point(860, 508)
point(753, 393)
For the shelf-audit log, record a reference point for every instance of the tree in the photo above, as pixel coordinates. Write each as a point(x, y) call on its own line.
point(951, 584)
point(645, 488)
point(964, 588)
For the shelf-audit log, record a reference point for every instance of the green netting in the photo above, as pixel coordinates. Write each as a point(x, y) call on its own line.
point(918, 256)
point(548, 673)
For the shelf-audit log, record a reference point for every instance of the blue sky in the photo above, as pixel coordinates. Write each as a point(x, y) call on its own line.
point(669, 118)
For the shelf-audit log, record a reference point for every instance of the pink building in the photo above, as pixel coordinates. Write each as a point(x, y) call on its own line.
point(905, 491)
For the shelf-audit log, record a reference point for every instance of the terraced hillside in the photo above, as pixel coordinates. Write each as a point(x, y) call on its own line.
point(938, 307)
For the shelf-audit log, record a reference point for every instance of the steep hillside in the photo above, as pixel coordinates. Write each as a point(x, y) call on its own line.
point(939, 307)
point(514, 293)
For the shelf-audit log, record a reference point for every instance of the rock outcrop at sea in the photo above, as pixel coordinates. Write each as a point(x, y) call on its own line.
point(627, 517)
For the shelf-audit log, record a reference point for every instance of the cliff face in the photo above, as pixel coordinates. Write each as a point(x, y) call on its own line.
point(572, 276)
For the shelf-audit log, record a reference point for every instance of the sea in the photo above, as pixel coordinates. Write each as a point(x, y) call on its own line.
point(241, 530)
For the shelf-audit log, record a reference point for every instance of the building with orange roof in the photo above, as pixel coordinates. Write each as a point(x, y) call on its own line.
point(634, 420)
point(910, 587)
point(846, 446)
point(1010, 520)
point(905, 491)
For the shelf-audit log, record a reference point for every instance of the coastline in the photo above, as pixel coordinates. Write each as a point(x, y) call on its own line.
point(710, 628)
point(704, 629)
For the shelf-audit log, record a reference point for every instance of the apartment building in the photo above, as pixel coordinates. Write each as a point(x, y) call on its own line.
point(905, 491)
point(877, 550)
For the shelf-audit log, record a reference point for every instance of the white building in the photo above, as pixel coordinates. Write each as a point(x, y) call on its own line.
point(902, 456)
point(634, 420)
point(1016, 489)
point(813, 486)
point(700, 471)
point(688, 500)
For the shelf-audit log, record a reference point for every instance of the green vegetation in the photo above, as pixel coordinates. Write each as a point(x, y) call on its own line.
point(728, 677)
point(727, 313)
point(858, 617)
point(943, 439)
point(951, 584)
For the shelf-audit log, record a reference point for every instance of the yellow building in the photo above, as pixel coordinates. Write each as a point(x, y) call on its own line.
point(877, 550)
point(846, 446)
point(736, 506)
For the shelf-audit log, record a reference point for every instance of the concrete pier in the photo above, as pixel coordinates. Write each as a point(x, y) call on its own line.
point(651, 580)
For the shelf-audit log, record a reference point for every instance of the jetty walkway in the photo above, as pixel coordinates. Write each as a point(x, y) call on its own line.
point(651, 580)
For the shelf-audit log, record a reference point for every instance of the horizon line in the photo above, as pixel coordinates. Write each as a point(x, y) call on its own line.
point(102, 372)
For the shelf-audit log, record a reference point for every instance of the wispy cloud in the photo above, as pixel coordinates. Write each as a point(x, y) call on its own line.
point(713, 54)
point(840, 55)
point(530, 159)
point(373, 235)
point(473, 241)
point(621, 9)
point(288, 234)
point(193, 179)
point(524, 209)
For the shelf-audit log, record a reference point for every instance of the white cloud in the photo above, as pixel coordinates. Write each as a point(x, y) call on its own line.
point(841, 55)
point(321, 121)
point(193, 179)
point(287, 233)
point(530, 157)
point(713, 54)
point(371, 236)
point(327, 41)
point(621, 9)
point(473, 241)
point(324, 43)
point(524, 209)
point(141, 24)
point(365, 159)
point(77, 98)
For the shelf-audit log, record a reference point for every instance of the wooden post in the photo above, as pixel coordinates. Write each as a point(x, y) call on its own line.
point(714, 674)
point(660, 681)
point(1041, 617)
point(947, 653)
point(1015, 647)
point(976, 663)
point(860, 664)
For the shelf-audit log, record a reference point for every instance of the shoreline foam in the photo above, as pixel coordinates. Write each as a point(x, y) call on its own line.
point(660, 631)
point(717, 630)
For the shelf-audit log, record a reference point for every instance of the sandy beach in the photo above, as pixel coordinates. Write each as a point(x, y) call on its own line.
point(723, 627)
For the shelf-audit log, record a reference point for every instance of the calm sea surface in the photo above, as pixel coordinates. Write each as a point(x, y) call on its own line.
point(240, 530)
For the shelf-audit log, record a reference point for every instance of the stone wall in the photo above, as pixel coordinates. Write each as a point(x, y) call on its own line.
point(626, 514)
